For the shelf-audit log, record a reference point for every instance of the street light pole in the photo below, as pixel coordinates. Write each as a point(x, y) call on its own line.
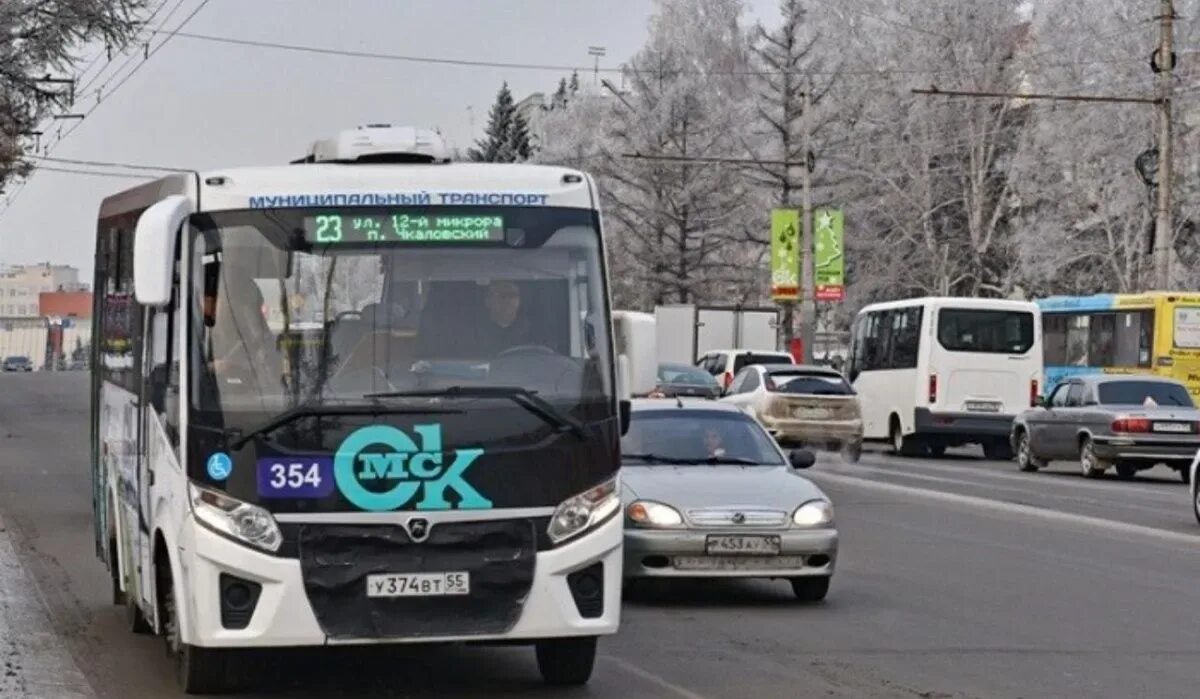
point(1164, 232)
point(808, 290)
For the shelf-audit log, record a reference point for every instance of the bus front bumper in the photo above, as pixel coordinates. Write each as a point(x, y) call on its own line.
point(284, 616)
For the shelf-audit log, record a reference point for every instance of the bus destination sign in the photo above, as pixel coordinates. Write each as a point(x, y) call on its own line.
point(350, 228)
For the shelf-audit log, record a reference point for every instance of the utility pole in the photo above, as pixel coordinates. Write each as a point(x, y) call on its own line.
point(1164, 231)
point(808, 290)
point(596, 52)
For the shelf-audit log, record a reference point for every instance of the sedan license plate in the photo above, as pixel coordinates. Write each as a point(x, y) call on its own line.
point(810, 413)
point(418, 584)
point(1173, 427)
point(742, 545)
point(981, 406)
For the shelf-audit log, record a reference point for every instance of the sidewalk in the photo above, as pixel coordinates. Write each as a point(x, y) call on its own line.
point(34, 662)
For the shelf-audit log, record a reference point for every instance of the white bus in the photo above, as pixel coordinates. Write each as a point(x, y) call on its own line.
point(933, 373)
point(367, 397)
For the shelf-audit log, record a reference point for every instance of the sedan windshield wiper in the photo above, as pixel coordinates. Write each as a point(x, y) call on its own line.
point(523, 397)
point(730, 461)
point(321, 409)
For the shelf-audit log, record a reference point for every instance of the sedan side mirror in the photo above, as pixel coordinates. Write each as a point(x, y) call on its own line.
point(801, 458)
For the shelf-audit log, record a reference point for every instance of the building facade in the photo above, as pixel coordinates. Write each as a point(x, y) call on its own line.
point(22, 285)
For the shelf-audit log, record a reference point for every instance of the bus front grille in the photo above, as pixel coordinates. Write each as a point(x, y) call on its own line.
point(336, 561)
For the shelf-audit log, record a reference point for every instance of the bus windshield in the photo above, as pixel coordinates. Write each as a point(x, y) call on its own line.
point(302, 307)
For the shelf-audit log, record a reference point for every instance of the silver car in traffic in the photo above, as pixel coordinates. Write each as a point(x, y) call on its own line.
point(708, 493)
point(1128, 423)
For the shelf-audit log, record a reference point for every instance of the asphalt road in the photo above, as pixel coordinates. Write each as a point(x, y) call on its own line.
point(958, 578)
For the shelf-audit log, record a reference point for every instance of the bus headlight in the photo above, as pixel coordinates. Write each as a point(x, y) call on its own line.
point(814, 513)
point(239, 520)
point(580, 513)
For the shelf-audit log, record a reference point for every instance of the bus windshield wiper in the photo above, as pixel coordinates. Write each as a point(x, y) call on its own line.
point(320, 409)
point(525, 398)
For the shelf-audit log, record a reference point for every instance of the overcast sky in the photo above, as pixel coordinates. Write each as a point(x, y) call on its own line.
point(202, 105)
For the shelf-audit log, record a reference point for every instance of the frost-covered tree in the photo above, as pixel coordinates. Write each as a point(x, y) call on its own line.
point(682, 216)
point(506, 138)
point(40, 38)
point(934, 206)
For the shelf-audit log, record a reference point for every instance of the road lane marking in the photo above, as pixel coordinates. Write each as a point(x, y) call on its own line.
point(652, 678)
point(1093, 523)
point(1057, 477)
point(1025, 493)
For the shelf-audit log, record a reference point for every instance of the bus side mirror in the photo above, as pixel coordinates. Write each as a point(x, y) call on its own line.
point(154, 249)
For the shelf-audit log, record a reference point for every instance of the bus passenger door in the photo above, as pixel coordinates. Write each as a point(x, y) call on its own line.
point(139, 578)
point(1181, 343)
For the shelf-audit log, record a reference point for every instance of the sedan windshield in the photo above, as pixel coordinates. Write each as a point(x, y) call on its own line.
point(683, 375)
point(1141, 392)
point(681, 436)
point(811, 383)
point(301, 308)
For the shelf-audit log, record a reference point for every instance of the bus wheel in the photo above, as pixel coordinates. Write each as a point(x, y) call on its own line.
point(998, 450)
point(134, 617)
point(197, 670)
point(114, 569)
point(901, 445)
point(566, 661)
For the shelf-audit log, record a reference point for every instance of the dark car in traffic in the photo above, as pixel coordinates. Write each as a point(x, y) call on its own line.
point(17, 363)
point(682, 380)
point(1127, 423)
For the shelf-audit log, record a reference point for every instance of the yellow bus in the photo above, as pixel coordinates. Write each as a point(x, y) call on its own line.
point(1152, 333)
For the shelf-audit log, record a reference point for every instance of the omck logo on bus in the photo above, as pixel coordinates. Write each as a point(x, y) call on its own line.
point(381, 468)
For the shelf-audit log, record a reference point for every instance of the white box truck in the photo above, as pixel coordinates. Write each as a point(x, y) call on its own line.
point(685, 331)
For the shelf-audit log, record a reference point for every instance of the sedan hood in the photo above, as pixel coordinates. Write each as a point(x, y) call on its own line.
point(702, 486)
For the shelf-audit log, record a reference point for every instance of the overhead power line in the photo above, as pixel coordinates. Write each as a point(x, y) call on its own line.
point(93, 173)
point(149, 54)
point(1037, 96)
point(565, 68)
point(104, 163)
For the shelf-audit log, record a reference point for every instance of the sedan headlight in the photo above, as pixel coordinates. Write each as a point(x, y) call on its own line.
point(647, 513)
point(234, 518)
point(814, 513)
point(580, 513)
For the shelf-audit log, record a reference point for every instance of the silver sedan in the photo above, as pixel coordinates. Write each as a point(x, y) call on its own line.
point(1128, 423)
point(707, 493)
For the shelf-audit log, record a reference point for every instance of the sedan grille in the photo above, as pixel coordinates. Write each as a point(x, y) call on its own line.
point(726, 517)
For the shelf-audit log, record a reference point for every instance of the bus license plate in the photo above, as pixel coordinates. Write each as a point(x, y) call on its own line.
point(742, 545)
point(1173, 427)
point(980, 406)
point(418, 584)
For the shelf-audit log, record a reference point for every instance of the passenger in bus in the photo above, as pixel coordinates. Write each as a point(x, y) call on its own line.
point(241, 343)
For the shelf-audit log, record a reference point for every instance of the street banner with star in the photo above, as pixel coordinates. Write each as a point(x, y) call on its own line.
point(829, 260)
point(785, 254)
